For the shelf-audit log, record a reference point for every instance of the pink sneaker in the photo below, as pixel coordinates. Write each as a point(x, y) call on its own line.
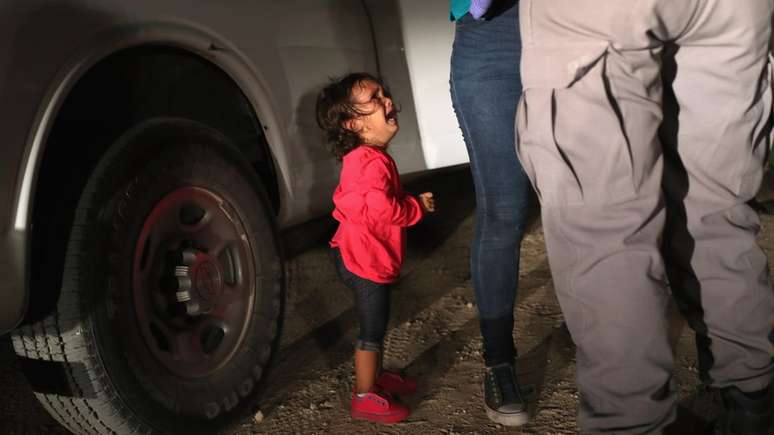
point(379, 407)
point(394, 383)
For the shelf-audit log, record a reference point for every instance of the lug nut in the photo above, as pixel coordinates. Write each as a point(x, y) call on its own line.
point(183, 296)
point(184, 282)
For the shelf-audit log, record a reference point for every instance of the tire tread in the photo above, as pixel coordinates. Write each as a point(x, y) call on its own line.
point(63, 337)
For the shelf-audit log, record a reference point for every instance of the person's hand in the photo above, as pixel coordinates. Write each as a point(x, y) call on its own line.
point(427, 201)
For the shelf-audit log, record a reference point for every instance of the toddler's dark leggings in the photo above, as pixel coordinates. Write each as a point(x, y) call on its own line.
point(372, 302)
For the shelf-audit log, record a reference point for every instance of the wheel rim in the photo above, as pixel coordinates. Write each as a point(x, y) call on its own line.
point(193, 281)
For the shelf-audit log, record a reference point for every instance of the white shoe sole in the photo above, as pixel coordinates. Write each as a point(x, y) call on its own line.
point(516, 419)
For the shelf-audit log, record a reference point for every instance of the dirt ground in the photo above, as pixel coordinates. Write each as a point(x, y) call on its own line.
point(434, 336)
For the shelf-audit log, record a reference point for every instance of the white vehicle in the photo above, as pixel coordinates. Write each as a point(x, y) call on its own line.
point(151, 151)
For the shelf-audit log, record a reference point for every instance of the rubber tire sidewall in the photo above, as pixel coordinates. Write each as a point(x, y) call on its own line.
point(146, 164)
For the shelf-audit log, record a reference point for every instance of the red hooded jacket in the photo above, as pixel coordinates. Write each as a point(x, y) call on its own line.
point(373, 213)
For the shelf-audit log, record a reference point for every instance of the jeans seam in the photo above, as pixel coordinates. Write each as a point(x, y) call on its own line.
point(480, 194)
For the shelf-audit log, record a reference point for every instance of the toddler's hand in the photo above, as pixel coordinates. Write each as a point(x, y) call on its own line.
point(427, 201)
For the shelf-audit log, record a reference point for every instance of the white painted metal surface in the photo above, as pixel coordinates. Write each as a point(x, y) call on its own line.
point(428, 36)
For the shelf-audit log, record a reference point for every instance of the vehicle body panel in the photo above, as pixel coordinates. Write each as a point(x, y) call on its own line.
point(279, 53)
point(428, 36)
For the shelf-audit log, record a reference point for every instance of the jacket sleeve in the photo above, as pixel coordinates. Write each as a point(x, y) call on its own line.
point(382, 202)
point(374, 201)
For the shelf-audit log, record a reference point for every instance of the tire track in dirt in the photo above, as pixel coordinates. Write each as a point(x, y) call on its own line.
point(308, 371)
point(439, 343)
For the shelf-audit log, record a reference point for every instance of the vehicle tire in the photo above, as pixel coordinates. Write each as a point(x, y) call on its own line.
point(172, 292)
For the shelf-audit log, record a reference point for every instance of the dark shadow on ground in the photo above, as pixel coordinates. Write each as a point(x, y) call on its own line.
point(452, 188)
point(695, 413)
point(454, 194)
point(326, 345)
point(20, 412)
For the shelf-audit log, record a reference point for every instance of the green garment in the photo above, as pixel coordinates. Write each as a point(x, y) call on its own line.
point(458, 8)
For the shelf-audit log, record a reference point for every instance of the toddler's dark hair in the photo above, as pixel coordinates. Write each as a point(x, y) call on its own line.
point(335, 107)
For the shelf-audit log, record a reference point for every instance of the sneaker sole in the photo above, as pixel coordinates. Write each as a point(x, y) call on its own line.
point(377, 418)
point(516, 419)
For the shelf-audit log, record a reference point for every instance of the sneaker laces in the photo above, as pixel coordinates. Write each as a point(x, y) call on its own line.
point(506, 381)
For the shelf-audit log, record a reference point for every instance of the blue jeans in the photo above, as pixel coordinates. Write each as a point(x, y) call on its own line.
point(372, 302)
point(485, 90)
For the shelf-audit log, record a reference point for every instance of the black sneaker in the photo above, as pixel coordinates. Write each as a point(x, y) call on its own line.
point(746, 414)
point(503, 399)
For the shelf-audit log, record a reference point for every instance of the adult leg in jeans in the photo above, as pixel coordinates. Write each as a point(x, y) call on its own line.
point(588, 139)
point(485, 88)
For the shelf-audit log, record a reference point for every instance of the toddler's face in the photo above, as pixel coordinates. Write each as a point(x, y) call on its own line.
point(378, 122)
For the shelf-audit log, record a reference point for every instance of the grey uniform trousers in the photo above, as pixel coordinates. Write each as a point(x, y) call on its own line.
point(644, 127)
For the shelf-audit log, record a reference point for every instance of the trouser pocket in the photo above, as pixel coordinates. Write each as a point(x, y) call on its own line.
point(590, 110)
point(763, 134)
point(736, 156)
point(578, 140)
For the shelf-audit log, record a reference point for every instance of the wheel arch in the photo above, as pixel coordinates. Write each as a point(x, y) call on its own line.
point(121, 79)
